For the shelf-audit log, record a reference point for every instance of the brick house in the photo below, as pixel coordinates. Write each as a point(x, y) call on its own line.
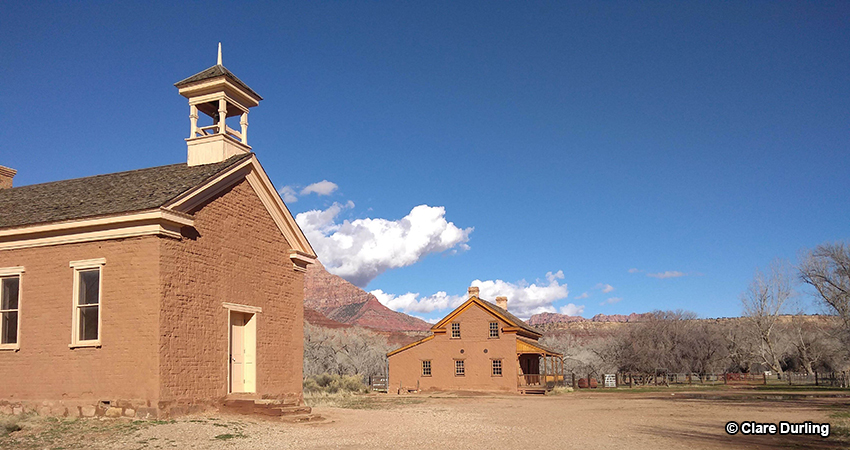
point(157, 291)
point(479, 346)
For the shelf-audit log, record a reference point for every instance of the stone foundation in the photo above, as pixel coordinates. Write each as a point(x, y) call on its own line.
point(135, 409)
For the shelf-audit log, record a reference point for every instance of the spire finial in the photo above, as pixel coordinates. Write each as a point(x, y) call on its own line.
point(219, 54)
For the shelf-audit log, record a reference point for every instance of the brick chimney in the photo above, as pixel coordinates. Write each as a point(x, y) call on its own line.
point(473, 291)
point(502, 302)
point(6, 175)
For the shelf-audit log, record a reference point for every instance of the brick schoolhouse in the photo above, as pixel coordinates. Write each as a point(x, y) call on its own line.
point(156, 291)
point(479, 346)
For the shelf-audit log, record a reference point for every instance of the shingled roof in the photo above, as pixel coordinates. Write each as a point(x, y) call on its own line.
point(215, 71)
point(102, 195)
point(516, 320)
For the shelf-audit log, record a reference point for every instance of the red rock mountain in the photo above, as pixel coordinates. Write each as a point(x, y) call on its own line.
point(344, 303)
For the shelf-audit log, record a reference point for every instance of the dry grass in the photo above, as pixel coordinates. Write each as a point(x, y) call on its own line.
point(30, 431)
point(349, 400)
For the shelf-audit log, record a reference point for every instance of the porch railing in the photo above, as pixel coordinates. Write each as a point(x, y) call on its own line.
point(531, 380)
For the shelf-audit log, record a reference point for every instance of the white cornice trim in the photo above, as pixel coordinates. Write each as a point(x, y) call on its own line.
point(280, 213)
point(7, 271)
point(253, 172)
point(151, 222)
point(242, 308)
point(192, 198)
point(87, 263)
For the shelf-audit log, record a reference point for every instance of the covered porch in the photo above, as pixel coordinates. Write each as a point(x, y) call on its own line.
point(539, 368)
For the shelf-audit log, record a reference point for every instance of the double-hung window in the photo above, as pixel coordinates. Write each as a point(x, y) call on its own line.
point(460, 370)
point(87, 298)
point(494, 329)
point(426, 368)
point(455, 330)
point(497, 367)
point(10, 304)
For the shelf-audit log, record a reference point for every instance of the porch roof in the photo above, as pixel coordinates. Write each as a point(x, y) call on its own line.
point(525, 345)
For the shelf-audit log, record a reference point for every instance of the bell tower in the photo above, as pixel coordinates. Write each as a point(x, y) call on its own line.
point(218, 94)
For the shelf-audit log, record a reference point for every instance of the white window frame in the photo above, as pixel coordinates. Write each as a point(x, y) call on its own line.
point(453, 330)
point(490, 329)
point(460, 369)
point(80, 266)
point(493, 367)
point(8, 272)
point(430, 368)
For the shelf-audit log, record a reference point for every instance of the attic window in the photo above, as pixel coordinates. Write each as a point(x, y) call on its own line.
point(455, 330)
point(494, 329)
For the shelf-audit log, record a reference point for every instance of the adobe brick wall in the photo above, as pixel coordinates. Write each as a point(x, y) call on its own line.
point(239, 256)
point(405, 367)
point(126, 366)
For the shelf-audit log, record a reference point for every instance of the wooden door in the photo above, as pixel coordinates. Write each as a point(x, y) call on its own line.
point(243, 343)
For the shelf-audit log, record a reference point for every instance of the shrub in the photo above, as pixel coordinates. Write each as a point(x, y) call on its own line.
point(332, 384)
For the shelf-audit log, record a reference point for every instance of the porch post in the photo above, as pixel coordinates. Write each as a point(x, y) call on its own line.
point(544, 371)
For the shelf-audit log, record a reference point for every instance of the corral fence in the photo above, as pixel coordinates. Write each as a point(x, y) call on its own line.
point(378, 383)
point(661, 378)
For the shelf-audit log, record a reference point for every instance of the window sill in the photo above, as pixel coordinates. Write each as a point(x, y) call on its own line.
point(10, 348)
point(85, 344)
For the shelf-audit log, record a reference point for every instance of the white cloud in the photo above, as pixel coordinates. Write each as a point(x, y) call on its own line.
point(583, 295)
point(288, 194)
point(323, 187)
point(572, 310)
point(524, 299)
point(667, 274)
point(634, 270)
point(606, 288)
point(362, 249)
point(611, 301)
point(411, 302)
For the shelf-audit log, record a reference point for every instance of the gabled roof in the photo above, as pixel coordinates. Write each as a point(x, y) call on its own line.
point(101, 195)
point(155, 201)
point(492, 309)
point(215, 71)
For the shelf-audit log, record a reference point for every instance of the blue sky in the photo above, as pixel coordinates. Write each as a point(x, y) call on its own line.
point(557, 146)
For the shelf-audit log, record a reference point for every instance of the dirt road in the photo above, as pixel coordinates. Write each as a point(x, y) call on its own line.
point(580, 420)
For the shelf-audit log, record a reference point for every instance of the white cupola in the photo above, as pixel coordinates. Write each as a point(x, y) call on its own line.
point(218, 94)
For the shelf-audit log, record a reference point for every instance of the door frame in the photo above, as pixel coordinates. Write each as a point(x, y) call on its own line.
point(241, 309)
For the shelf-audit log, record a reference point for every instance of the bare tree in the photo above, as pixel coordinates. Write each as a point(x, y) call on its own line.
point(827, 269)
point(344, 351)
point(764, 302)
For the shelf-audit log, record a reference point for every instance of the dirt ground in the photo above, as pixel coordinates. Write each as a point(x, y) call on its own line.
point(580, 420)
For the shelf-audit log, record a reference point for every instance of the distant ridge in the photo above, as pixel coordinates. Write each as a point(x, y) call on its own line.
point(343, 303)
point(547, 318)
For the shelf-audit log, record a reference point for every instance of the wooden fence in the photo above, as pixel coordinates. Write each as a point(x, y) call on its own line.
point(817, 379)
point(378, 383)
